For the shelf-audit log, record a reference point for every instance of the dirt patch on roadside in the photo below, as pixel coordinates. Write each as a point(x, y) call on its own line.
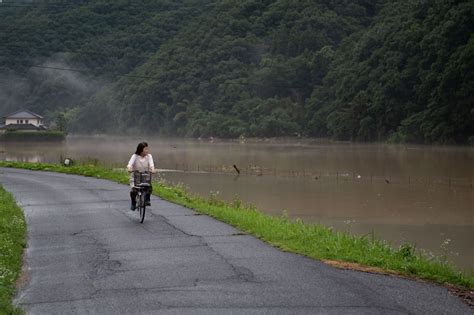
point(358, 267)
point(467, 296)
point(24, 276)
point(464, 294)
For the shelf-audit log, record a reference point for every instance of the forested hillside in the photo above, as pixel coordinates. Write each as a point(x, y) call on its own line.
point(348, 69)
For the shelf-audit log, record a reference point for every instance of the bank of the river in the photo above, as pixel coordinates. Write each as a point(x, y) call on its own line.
point(19, 136)
point(12, 243)
point(316, 241)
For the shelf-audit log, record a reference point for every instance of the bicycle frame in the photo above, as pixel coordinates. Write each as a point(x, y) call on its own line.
point(142, 188)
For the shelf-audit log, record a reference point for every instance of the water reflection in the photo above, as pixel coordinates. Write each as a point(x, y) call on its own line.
point(420, 194)
point(35, 152)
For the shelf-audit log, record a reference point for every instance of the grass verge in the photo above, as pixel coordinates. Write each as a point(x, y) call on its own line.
point(12, 243)
point(311, 240)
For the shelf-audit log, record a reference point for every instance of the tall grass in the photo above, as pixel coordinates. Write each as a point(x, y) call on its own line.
point(311, 240)
point(12, 243)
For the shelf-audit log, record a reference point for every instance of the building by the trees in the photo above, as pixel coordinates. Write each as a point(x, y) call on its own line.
point(23, 120)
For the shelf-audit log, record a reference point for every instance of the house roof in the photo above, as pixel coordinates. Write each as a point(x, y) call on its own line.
point(23, 114)
point(22, 127)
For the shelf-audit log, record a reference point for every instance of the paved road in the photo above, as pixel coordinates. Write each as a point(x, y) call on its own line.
point(88, 254)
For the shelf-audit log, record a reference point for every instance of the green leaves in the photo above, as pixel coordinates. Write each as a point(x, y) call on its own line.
point(352, 70)
point(405, 64)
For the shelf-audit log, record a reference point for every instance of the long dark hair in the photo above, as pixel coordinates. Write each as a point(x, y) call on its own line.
point(140, 147)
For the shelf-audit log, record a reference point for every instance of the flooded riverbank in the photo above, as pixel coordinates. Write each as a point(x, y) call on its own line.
point(419, 194)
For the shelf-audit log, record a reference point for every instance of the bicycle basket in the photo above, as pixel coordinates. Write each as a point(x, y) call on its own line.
point(141, 178)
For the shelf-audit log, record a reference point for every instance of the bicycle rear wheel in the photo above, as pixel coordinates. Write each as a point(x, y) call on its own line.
point(141, 207)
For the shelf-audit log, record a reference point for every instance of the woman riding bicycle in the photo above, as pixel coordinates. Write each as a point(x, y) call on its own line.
point(141, 161)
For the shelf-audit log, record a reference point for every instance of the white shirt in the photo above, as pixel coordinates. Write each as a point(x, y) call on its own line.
point(141, 164)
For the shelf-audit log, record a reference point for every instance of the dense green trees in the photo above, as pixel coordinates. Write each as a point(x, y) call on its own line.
point(392, 79)
point(349, 69)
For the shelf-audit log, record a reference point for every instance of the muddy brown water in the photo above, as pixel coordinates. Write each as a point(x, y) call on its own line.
point(399, 193)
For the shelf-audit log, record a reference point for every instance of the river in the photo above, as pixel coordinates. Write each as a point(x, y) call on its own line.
point(399, 193)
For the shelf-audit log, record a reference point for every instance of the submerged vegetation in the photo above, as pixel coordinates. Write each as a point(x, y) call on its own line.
point(12, 243)
point(311, 240)
point(351, 70)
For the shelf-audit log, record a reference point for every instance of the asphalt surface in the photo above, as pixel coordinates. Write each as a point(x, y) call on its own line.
point(87, 254)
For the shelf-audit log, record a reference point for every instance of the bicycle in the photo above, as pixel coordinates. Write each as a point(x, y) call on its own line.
point(142, 185)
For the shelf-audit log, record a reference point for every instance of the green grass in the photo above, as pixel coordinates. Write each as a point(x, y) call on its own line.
point(12, 243)
point(311, 240)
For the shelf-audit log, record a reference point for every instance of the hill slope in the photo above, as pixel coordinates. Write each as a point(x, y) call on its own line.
point(353, 70)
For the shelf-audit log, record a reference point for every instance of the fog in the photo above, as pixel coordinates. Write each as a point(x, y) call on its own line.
point(70, 80)
point(45, 88)
point(12, 92)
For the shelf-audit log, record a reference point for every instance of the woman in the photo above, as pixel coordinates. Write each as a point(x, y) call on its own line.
point(141, 161)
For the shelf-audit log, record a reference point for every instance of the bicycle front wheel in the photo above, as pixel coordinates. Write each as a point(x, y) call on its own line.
point(141, 208)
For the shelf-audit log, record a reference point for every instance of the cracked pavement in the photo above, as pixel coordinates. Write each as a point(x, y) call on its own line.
point(87, 254)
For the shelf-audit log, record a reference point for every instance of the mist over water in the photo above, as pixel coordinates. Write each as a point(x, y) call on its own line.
point(399, 193)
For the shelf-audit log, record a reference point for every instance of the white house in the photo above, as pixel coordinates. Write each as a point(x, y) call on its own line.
point(23, 120)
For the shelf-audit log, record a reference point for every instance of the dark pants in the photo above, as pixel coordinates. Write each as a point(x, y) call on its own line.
point(133, 196)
